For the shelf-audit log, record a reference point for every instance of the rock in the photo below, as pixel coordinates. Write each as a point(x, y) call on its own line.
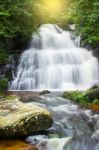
point(94, 85)
point(22, 119)
point(15, 45)
point(93, 94)
point(44, 92)
point(16, 145)
point(29, 98)
point(25, 96)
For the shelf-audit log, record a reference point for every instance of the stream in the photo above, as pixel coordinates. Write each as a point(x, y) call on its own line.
point(74, 128)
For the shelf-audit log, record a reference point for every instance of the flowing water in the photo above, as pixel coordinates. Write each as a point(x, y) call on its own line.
point(74, 128)
point(55, 61)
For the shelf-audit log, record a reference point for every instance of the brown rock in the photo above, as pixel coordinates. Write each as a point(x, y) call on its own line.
point(16, 145)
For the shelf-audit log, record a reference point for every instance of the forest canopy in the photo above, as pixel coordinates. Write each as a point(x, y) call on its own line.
point(85, 14)
point(25, 16)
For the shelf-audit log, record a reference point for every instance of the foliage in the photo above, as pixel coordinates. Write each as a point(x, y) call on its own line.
point(85, 15)
point(4, 57)
point(3, 84)
point(16, 18)
point(96, 101)
point(81, 97)
point(23, 17)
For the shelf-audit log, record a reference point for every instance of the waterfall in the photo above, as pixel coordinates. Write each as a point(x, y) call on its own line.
point(55, 61)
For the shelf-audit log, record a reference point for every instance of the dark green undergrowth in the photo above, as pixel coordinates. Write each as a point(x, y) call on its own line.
point(4, 57)
point(85, 14)
point(83, 97)
point(3, 85)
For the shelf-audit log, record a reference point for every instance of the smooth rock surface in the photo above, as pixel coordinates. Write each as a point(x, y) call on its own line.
point(22, 119)
point(16, 145)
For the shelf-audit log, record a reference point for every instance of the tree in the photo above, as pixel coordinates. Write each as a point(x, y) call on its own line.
point(86, 16)
point(16, 18)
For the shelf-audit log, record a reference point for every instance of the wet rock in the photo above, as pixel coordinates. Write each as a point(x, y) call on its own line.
point(94, 85)
point(16, 145)
point(21, 119)
point(29, 98)
point(93, 94)
point(44, 92)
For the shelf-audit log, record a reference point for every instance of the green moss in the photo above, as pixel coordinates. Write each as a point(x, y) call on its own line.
point(20, 119)
point(82, 97)
point(2, 95)
point(12, 97)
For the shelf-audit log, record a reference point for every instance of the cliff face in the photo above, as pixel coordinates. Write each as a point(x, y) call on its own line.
point(14, 45)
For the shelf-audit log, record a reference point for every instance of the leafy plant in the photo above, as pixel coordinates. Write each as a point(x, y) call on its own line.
point(86, 17)
point(16, 18)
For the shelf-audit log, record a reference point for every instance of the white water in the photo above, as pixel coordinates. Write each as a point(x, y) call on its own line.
point(73, 128)
point(55, 62)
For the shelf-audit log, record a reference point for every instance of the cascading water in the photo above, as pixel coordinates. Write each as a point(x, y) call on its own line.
point(55, 62)
point(73, 128)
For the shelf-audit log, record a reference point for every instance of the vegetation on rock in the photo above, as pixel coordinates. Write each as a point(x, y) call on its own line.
point(20, 119)
point(84, 98)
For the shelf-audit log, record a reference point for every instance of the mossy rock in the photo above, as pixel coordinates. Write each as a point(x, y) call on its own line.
point(83, 97)
point(22, 119)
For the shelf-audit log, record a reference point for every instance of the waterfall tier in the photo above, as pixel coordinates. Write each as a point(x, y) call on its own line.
point(55, 61)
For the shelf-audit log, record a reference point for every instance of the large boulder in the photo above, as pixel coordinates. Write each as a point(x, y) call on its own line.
point(22, 119)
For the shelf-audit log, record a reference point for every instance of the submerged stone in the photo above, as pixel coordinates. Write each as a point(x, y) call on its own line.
point(22, 119)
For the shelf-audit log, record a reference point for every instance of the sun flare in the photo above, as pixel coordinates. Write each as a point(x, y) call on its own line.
point(53, 7)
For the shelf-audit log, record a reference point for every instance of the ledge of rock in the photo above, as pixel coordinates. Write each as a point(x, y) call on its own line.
point(22, 119)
